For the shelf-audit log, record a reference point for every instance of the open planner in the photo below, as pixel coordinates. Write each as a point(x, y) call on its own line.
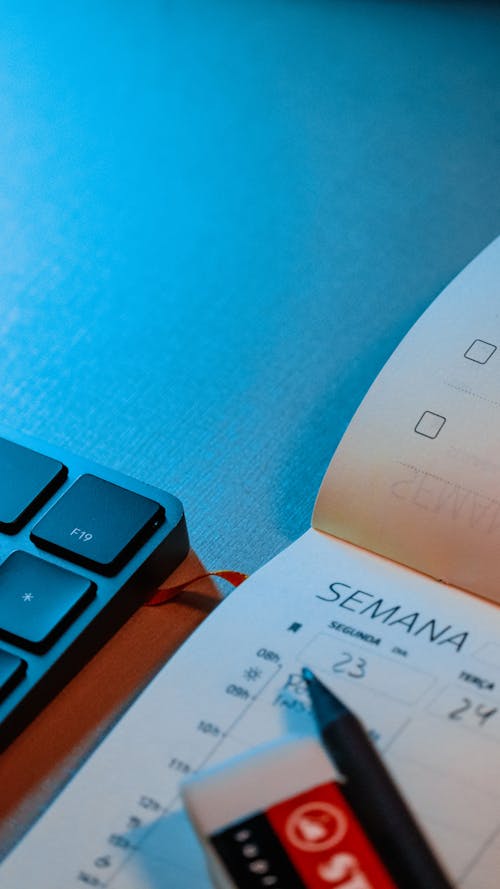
point(391, 598)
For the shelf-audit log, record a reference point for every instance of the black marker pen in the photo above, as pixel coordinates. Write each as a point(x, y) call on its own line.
point(372, 794)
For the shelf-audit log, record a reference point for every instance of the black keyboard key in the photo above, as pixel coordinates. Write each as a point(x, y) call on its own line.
point(27, 480)
point(128, 535)
point(38, 600)
point(12, 670)
point(98, 524)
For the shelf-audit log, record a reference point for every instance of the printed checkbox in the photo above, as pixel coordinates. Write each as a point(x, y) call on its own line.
point(480, 351)
point(430, 424)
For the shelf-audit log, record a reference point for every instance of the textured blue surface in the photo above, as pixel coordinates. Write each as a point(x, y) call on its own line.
point(218, 219)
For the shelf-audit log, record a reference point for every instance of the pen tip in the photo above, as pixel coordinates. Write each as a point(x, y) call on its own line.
point(308, 674)
point(327, 706)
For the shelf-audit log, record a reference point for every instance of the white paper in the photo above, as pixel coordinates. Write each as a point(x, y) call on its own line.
point(417, 474)
point(418, 661)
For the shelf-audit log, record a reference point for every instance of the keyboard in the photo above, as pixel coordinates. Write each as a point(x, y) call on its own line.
point(81, 547)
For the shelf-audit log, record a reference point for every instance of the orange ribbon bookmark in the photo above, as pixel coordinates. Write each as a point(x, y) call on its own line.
point(165, 593)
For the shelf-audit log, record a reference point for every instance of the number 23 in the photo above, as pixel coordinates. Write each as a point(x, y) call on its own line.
point(354, 667)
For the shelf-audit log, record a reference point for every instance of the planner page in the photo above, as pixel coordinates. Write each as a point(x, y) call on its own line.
point(418, 661)
point(417, 475)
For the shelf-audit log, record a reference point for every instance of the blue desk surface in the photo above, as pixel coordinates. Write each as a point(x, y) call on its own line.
point(219, 218)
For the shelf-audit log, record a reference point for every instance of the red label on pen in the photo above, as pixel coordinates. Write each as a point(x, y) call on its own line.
point(325, 842)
